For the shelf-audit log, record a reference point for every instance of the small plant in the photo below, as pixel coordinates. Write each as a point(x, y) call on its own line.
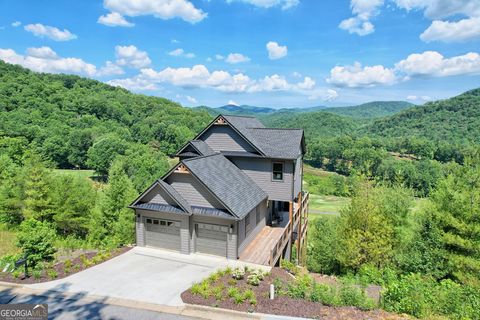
point(232, 292)
point(76, 268)
point(238, 273)
point(255, 277)
point(67, 263)
point(228, 270)
point(37, 274)
point(248, 294)
point(289, 266)
point(253, 301)
point(214, 277)
point(232, 282)
point(16, 274)
point(196, 289)
point(238, 298)
point(52, 274)
point(84, 259)
point(217, 292)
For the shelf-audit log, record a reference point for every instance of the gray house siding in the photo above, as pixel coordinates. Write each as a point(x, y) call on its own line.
point(231, 237)
point(184, 227)
point(224, 138)
point(298, 177)
point(260, 171)
point(193, 191)
point(257, 226)
point(158, 195)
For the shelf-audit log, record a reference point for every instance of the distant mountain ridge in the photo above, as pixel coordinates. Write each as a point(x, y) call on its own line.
point(374, 109)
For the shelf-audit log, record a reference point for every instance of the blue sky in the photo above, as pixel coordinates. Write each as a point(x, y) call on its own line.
point(276, 53)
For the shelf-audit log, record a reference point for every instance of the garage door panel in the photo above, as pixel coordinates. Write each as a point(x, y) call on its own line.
point(162, 233)
point(211, 239)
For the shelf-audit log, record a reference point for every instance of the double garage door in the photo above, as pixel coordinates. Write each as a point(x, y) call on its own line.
point(211, 239)
point(162, 233)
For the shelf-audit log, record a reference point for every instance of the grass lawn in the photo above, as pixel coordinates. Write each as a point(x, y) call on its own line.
point(326, 205)
point(80, 173)
point(7, 242)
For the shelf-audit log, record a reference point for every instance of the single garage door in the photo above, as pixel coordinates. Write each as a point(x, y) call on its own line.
point(162, 233)
point(211, 239)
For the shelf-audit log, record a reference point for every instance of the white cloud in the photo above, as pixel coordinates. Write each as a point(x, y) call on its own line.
point(426, 64)
point(284, 4)
point(191, 99)
point(174, 41)
point(412, 97)
point(132, 57)
point(234, 58)
point(357, 25)
point(323, 94)
point(418, 98)
point(181, 53)
point(232, 103)
point(44, 59)
point(114, 19)
point(275, 51)
point(363, 11)
point(53, 33)
point(356, 76)
point(296, 74)
point(163, 9)
point(16, 24)
point(307, 84)
point(432, 63)
point(457, 31)
point(110, 69)
point(219, 57)
point(135, 84)
point(42, 52)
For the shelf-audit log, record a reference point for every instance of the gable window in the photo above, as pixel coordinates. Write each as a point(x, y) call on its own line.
point(277, 171)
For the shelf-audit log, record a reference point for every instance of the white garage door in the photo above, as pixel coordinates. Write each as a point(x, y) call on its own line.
point(162, 233)
point(211, 239)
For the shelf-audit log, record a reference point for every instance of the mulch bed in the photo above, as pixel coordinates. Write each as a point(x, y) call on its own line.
point(59, 267)
point(283, 305)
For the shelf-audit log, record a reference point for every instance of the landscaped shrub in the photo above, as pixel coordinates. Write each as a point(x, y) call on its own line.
point(232, 291)
point(217, 292)
point(324, 294)
point(255, 277)
point(289, 266)
point(355, 296)
point(36, 239)
point(52, 274)
point(37, 274)
point(238, 273)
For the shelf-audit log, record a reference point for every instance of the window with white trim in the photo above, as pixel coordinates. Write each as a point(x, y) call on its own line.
point(277, 171)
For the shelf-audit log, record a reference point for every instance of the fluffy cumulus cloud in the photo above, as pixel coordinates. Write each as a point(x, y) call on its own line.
point(234, 58)
point(363, 11)
point(199, 76)
point(415, 98)
point(452, 20)
point(50, 32)
point(44, 59)
point(181, 53)
point(232, 103)
point(432, 63)
point(276, 51)
point(162, 9)
point(114, 19)
point(131, 56)
point(110, 69)
point(426, 64)
point(356, 75)
point(284, 4)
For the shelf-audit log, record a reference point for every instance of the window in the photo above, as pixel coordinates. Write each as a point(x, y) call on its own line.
point(155, 221)
point(277, 171)
point(247, 224)
point(169, 223)
point(162, 223)
point(149, 220)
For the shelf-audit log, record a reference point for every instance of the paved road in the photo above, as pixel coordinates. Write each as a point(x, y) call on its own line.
point(80, 306)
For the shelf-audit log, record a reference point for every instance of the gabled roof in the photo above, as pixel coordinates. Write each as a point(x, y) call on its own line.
point(233, 188)
point(159, 207)
point(199, 146)
point(177, 198)
point(278, 143)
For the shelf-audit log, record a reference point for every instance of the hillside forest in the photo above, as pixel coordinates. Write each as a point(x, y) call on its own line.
point(75, 152)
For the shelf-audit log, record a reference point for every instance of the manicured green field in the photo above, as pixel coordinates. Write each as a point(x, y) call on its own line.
point(7, 242)
point(80, 173)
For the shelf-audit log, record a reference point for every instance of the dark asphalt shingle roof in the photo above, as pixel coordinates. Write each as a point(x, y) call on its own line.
point(272, 142)
point(211, 212)
point(227, 182)
point(175, 195)
point(202, 147)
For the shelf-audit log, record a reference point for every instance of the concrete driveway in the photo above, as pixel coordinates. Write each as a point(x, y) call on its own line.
point(142, 274)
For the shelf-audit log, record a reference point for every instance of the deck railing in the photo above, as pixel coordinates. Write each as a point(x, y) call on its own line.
point(299, 215)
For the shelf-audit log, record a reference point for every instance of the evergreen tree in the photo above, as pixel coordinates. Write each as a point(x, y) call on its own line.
point(37, 204)
point(10, 192)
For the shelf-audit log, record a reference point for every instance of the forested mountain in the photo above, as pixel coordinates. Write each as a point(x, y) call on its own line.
point(454, 120)
point(260, 112)
point(374, 109)
point(81, 123)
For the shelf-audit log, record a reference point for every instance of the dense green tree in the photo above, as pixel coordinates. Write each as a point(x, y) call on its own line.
point(10, 192)
point(36, 239)
point(38, 202)
point(78, 144)
point(103, 152)
point(73, 198)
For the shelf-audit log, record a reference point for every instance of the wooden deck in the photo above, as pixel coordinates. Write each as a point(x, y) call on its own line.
point(258, 251)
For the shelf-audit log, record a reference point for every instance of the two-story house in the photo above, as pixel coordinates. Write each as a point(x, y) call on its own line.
point(235, 192)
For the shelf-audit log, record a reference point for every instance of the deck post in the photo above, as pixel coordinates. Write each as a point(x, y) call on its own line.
point(299, 229)
point(290, 217)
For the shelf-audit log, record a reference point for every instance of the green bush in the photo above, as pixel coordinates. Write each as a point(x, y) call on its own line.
point(255, 277)
point(232, 292)
point(67, 263)
point(355, 296)
point(37, 274)
point(52, 274)
point(238, 273)
point(36, 239)
point(289, 266)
